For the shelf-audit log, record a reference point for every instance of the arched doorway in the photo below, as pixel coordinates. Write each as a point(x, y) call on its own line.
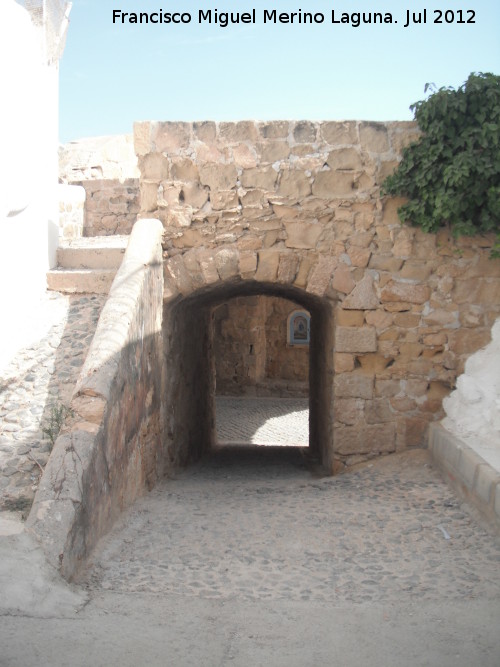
point(261, 348)
point(189, 373)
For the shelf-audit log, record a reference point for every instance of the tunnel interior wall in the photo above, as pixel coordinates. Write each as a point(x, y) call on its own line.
point(189, 382)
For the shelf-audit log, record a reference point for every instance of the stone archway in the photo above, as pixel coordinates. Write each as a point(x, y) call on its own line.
point(189, 378)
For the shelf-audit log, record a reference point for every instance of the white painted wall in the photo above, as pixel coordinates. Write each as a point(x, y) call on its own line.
point(473, 409)
point(28, 159)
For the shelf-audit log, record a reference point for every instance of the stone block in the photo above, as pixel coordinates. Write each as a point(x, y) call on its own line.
point(208, 266)
point(210, 154)
point(244, 130)
point(154, 167)
point(184, 169)
point(267, 266)
point(343, 280)
point(179, 216)
point(227, 263)
point(373, 137)
point(328, 184)
point(319, 278)
point(218, 176)
point(386, 168)
point(339, 133)
point(294, 184)
point(415, 430)
point(385, 263)
point(349, 410)
point(176, 270)
point(379, 411)
point(248, 262)
point(355, 340)
point(194, 195)
point(343, 363)
point(359, 256)
point(413, 270)
point(379, 319)
point(249, 243)
point(304, 132)
point(363, 296)
point(387, 387)
point(90, 408)
point(353, 385)
point(373, 363)
point(224, 200)
point(278, 129)
point(302, 234)
point(244, 156)
point(287, 268)
point(497, 502)
point(142, 138)
point(467, 341)
point(264, 178)
point(274, 151)
point(149, 197)
point(349, 318)
point(344, 158)
point(205, 131)
point(390, 210)
point(409, 292)
point(487, 478)
point(407, 320)
point(348, 441)
point(468, 464)
point(170, 137)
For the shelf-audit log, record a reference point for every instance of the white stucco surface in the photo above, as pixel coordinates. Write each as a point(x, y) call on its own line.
point(473, 409)
point(28, 162)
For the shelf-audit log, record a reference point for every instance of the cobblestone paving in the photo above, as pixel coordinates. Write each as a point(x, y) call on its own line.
point(254, 523)
point(34, 388)
point(262, 421)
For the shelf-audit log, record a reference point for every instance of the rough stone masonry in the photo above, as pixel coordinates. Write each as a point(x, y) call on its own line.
point(293, 209)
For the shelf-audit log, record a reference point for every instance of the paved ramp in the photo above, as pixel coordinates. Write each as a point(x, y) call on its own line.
point(262, 421)
point(255, 524)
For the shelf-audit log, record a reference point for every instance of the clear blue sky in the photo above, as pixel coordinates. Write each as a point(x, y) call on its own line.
point(112, 75)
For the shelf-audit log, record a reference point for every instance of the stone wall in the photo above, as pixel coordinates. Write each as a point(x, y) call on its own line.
point(293, 209)
point(110, 449)
point(111, 206)
point(106, 167)
point(252, 357)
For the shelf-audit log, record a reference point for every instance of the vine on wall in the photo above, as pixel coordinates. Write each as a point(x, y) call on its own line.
point(451, 175)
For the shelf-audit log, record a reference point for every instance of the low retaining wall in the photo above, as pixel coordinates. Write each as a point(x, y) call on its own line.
point(467, 472)
point(108, 451)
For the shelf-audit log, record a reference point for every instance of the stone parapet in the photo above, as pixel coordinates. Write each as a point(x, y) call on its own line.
point(106, 167)
point(473, 477)
point(108, 451)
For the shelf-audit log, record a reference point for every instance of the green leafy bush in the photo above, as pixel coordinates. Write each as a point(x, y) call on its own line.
point(451, 175)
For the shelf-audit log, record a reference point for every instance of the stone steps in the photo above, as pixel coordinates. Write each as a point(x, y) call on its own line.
point(87, 264)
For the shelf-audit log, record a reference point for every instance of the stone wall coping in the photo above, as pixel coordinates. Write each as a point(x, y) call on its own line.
point(73, 505)
point(469, 474)
point(112, 332)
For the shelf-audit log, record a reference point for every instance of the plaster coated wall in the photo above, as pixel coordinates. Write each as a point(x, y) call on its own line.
point(28, 162)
